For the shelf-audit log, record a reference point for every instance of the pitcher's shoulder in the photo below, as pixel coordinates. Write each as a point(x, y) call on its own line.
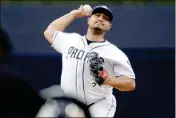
point(115, 51)
point(114, 48)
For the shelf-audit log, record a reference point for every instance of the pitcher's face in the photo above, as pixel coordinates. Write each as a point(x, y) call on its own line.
point(99, 21)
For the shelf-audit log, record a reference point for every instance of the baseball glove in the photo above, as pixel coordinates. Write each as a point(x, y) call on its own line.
point(96, 68)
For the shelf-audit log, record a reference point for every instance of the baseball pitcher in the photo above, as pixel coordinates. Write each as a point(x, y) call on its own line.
point(91, 65)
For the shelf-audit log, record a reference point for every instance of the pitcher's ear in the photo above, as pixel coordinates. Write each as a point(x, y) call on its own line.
point(110, 26)
point(88, 19)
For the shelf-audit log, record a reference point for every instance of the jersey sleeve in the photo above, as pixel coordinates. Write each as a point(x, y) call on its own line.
point(122, 66)
point(62, 41)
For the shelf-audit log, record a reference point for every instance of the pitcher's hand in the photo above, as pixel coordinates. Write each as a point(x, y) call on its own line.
point(79, 13)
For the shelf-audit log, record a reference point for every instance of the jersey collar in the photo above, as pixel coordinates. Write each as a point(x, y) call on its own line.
point(95, 43)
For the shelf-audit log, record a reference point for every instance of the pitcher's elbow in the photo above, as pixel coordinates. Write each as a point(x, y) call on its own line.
point(46, 33)
point(132, 85)
point(49, 35)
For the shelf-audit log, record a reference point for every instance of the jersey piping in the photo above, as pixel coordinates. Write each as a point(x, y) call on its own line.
point(83, 70)
point(110, 107)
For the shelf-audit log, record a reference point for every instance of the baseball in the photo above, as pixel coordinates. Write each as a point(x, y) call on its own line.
point(87, 9)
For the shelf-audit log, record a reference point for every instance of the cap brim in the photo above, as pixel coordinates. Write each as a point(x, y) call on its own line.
point(105, 11)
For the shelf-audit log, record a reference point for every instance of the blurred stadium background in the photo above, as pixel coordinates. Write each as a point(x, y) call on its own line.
point(143, 29)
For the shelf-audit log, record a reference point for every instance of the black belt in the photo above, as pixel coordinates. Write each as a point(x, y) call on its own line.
point(94, 103)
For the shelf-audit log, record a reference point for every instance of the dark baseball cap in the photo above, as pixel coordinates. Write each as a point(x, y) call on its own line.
point(103, 9)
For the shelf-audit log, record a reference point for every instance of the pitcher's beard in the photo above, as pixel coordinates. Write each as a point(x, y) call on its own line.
point(98, 31)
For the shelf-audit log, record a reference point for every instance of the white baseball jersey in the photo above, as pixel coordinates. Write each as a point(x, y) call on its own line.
point(76, 79)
